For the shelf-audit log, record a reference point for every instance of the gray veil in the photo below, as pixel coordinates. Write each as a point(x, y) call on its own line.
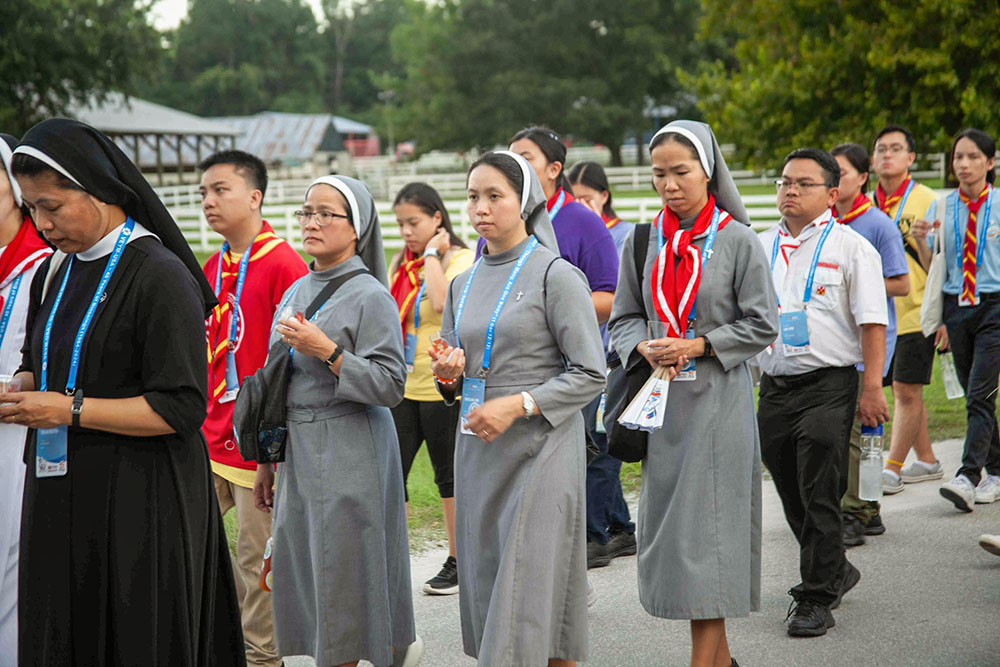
point(365, 220)
point(727, 197)
point(533, 210)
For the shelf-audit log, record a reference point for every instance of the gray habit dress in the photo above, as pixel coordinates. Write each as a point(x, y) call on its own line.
point(340, 558)
point(699, 510)
point(519, 500)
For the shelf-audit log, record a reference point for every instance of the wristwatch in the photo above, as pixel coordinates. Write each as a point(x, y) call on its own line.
point(708, 347)
point(333, 357)
point(529, 404)
point(77, 407)
point(432, 252)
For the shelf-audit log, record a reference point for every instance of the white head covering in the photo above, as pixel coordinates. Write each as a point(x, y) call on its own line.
point(7, 146)
point(533, 210)
point(364, 217)
point(722, 187)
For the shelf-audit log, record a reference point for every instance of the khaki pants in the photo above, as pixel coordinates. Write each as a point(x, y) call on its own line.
point(255, 604)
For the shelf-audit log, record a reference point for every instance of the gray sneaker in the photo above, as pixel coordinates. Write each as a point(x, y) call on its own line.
point(960, 491)
point(988, 490)
point(891, 483)
point(918, 471)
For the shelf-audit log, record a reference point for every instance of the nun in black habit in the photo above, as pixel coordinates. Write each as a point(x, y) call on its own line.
point(123, 557)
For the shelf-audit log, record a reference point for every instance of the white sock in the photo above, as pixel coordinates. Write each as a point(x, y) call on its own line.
point(895, 476)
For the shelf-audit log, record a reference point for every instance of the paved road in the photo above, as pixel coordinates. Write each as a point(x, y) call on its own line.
point(928, 596)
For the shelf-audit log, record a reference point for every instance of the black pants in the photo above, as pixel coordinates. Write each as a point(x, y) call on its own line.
point(435, 423)
point(805, 426)
point(974, 336)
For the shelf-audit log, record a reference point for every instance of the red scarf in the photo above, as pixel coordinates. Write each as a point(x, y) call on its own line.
point(858, 207)
point(969, 244)
point(23, 252)
point(677, 269)
point(610, 222)
point(886, 203)
point(552, 200)
point(406, 284)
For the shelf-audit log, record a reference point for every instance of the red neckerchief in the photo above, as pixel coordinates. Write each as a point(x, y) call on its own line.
point(970, 242)
point(886, 203)
point(552, 200)
point(860, 204)
point(24, 251)
point(610, 222)
point(406, 284)
point(677, 269)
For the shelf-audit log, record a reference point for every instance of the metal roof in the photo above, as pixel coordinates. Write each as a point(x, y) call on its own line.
point(121, 115)
point(273, 135)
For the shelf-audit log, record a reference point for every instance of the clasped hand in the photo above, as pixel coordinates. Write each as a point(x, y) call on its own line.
point(306, 338)
point(36, 409)
point(671, 351)
point(449, 363)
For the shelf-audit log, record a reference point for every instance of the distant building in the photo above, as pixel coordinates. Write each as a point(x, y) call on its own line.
point(296, 138)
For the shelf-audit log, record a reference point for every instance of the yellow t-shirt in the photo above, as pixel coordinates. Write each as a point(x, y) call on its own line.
point(237, 476)
point(908, 307)
point(420, 383)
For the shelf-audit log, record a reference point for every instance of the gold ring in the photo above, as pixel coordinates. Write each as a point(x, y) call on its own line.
point(486, 433)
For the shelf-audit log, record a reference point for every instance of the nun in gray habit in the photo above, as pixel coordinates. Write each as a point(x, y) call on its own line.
point(340, 559)
point(519, 497)
point(700, 508)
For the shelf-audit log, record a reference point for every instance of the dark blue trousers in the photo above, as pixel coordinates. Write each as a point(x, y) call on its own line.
point(607, 511)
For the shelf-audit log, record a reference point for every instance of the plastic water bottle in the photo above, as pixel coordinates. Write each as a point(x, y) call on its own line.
point(952, 387)
point(870, 473)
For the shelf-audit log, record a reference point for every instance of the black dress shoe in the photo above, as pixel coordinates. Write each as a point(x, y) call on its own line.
point(598, 555)
point(733, 663)
point(875, 525)
point(809, 619)
point(854, 531)
point(849, 578)
point(622, 544)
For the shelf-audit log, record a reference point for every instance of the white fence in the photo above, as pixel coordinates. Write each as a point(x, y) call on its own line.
point(761, 209)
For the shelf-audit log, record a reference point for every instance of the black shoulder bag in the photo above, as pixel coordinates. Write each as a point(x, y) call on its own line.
point(259, 415)
point(625, 444)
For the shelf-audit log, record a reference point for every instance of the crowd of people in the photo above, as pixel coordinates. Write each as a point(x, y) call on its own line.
point(114, 479)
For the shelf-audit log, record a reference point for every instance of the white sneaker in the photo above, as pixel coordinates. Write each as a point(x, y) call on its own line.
point(891, 483)
point(918, 471)
point(988, 490)
point(412, 656)
point(960, 491)
point(991, 543)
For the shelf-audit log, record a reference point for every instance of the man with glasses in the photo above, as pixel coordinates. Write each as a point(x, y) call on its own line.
point(833, 312)
point(906, 202)
point(250, 274)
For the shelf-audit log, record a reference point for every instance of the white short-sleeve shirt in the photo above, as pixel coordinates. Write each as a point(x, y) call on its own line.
point(848, 291)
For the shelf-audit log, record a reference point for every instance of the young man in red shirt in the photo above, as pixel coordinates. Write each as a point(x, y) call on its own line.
point(250, 274)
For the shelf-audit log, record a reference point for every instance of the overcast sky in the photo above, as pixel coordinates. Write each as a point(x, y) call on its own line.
point(168, 13)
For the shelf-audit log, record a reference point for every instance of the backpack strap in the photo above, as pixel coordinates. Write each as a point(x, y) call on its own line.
point(640, 244)
point(328, 291)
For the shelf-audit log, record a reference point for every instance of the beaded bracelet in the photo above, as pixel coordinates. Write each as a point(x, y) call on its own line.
point(442, 381)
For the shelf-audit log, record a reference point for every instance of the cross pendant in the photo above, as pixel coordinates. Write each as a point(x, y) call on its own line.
point(519, 295)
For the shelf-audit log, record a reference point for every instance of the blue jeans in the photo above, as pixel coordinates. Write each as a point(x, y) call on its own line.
point(607, 511)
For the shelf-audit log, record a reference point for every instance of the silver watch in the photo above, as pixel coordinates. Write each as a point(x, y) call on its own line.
point(529, 404)
point(432, 252)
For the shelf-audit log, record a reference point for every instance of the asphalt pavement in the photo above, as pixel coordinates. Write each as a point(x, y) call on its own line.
point(928, 596)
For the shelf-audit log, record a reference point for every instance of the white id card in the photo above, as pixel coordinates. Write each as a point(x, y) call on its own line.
point(794, 333)
point(409, 351)
point(473, 395)
point(51, 452)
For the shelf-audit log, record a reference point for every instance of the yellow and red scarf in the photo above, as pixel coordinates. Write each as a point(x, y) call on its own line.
point(406, 284)
point(860, 204)
point(886, 203)
point(969, 244)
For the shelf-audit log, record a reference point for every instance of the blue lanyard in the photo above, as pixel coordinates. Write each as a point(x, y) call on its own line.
point(295, 288)
point(980, 246)
point(706, 250)
point(240, 278)
point(812, 267)
point(558, 205)
point(8, 307)
point(416, 304)
point(491, 329)
point(109, 270)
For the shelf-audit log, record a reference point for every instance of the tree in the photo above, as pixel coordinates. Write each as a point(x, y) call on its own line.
point(811, 72)
point(56, 53)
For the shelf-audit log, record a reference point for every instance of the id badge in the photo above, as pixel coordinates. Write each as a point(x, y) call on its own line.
point(51, 452)
point(963, 302)
point(795, 333)
point(409, 350)
point(473, 395)
point(688, 372)
point(599, 425)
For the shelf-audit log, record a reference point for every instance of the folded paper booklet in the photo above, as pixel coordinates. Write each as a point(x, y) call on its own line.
point(646, 410)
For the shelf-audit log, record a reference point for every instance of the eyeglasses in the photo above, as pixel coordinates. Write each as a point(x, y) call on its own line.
point(894, 149)
point(797, 185)
point(323, 218)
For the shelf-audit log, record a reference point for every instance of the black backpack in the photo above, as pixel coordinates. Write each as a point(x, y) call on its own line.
point(625, 444)
point(259, 415)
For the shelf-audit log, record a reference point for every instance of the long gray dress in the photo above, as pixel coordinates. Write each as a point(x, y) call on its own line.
point(699, 510)
point(340, 559)
point(519, 500)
